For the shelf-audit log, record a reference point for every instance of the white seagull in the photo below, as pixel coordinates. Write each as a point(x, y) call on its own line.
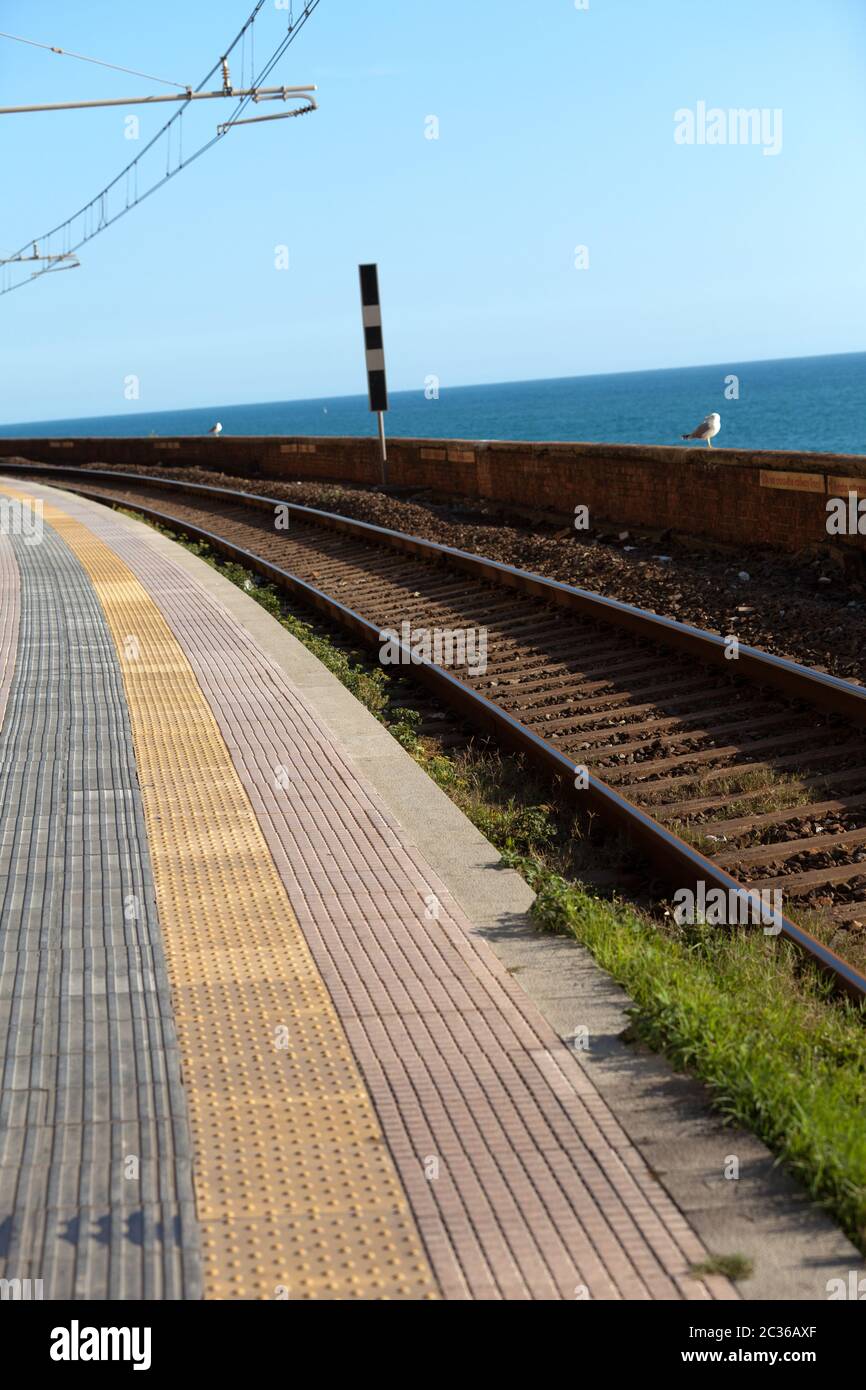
point(707, 429)
point(216, 429)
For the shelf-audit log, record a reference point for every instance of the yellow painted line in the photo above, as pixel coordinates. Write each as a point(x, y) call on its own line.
point(296, 1193)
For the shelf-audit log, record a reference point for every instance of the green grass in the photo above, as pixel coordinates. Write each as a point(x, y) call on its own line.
point(736, 1267)
point(745, 1013)
point(744, 793)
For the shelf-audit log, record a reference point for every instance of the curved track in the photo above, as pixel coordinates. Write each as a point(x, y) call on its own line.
point(738, 771)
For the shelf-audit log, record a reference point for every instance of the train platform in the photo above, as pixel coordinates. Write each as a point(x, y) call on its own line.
point(274, 1026)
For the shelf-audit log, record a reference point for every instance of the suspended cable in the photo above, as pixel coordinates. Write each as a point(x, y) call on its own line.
point(65, 53)
point(294, 30)
point(130, 173)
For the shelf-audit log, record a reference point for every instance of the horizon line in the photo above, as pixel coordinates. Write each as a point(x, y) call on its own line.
point(414, 390)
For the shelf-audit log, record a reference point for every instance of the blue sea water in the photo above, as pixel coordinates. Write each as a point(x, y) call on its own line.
point(811, 403)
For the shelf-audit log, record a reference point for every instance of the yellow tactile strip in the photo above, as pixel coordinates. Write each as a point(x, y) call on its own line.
point(296, 1192)
point(10, 599)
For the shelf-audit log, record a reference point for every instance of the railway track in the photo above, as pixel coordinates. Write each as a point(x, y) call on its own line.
point(738, 775)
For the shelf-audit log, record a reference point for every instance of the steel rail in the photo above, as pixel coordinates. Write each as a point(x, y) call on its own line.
point(817, 688)
point(679, 863)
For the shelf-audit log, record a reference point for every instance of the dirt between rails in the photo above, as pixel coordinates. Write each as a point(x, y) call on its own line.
point(804, 607)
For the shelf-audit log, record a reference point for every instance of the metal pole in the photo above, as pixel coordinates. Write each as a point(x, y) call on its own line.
point(257, 94)
point(374, 349)
point(383, 448)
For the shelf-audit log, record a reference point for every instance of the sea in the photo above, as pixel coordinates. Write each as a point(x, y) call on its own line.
point(800, 403)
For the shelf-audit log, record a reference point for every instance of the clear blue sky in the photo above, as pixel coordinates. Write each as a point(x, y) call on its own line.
point(556, 129)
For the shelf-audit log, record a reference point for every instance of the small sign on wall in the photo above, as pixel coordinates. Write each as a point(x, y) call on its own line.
point(793, 482)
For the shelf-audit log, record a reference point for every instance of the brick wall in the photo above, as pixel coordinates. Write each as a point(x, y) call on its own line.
point(727, 495)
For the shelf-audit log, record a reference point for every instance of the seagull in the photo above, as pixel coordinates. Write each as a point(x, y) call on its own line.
point(216, 429)
point(707, 429)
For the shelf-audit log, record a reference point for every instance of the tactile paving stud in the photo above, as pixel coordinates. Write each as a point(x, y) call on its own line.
point(293, 1198)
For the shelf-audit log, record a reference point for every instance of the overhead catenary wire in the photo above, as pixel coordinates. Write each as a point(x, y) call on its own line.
point(294, 28)
point(66, 229)
point(66, 53)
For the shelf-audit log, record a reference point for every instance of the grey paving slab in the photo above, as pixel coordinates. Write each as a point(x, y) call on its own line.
point(96, 1195)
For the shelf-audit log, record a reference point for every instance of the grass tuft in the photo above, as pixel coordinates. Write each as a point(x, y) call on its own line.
point(755, 1022)
point(736, 1267)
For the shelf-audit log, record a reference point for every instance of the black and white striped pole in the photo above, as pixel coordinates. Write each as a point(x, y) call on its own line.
point(377, 386)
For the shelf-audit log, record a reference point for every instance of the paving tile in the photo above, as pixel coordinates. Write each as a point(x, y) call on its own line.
point(86, 1032)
